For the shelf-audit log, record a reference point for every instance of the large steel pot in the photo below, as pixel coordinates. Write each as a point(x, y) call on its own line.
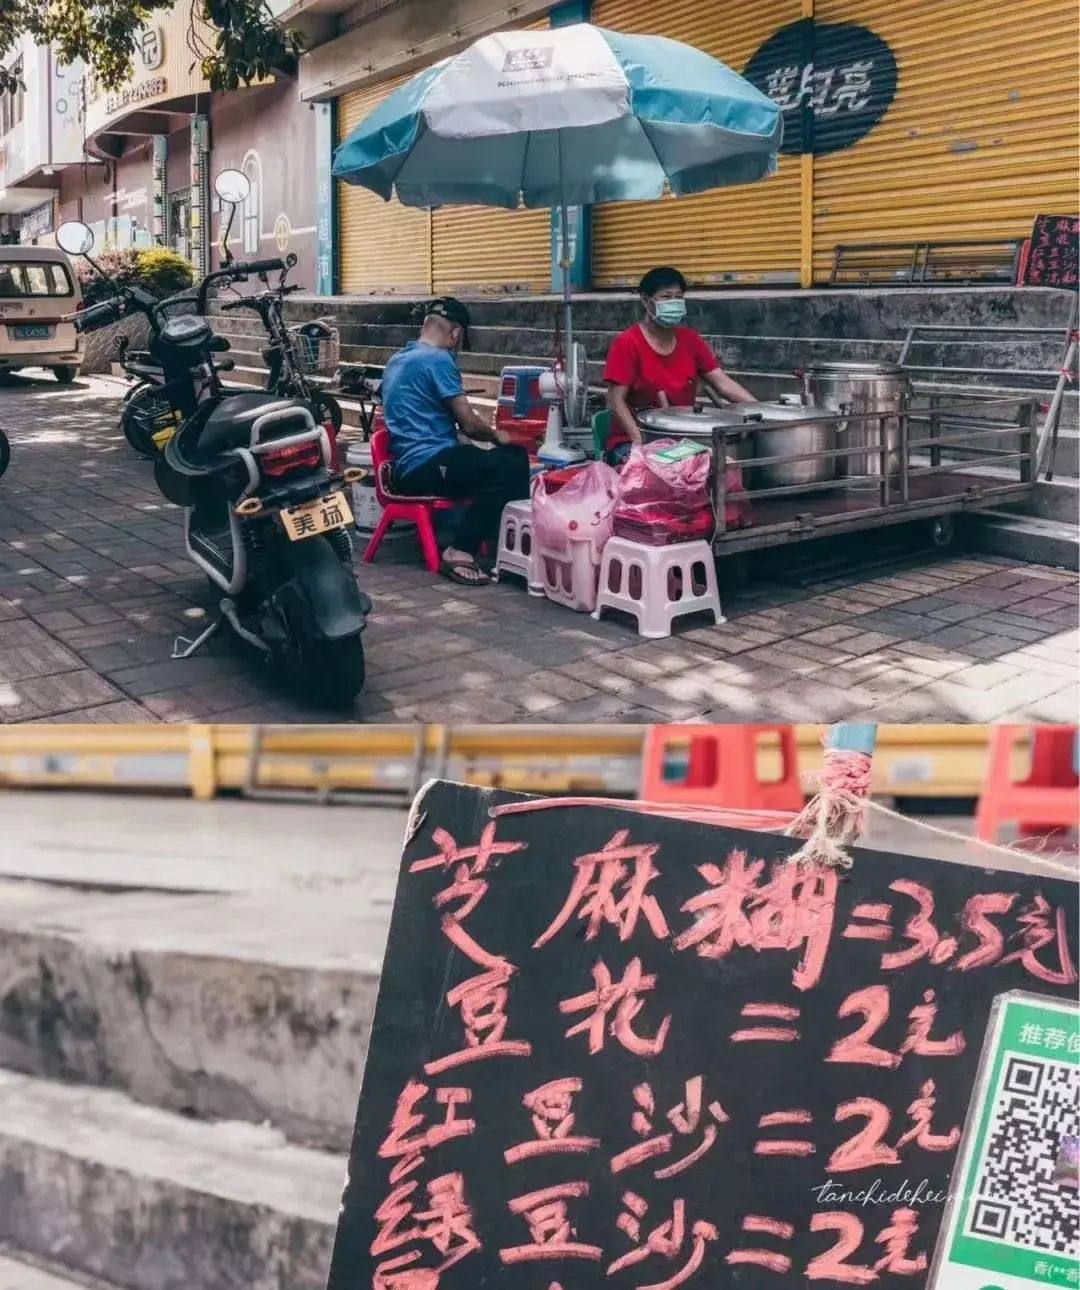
point(785, 429)
point(875, 395)
point(683, 423)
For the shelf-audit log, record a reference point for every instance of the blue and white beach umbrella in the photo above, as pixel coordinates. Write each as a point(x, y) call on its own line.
point(565, 117)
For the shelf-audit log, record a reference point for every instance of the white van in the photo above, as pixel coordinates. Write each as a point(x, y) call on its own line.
point(38, 287)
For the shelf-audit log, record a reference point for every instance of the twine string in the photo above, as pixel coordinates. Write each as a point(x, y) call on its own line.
point(835, 818)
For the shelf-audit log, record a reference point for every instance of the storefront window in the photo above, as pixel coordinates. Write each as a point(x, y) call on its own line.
point(12, 104)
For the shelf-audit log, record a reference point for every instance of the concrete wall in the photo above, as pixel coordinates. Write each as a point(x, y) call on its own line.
point(272, 133)
point(404, 37)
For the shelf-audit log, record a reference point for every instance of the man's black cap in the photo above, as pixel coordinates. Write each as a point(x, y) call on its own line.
point(454, 312)
point(450, 309)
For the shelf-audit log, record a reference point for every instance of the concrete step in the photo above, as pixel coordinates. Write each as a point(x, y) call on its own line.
point(19, 1271)
point(146, 1200)
point(251, 1006)
point(869, 313)
point(1025, 537)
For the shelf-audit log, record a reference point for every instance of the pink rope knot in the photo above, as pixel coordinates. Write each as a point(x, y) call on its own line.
point(836, 816)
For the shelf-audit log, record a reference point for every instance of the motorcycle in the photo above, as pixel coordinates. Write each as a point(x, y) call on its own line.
point(293, 353)
point(5, 452)
point(148, 415)
point(265, 515)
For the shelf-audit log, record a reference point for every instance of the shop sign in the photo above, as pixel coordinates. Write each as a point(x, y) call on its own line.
point(833, 81)
point(128, 199)
point(36, 222)
point(151, 48)
point(140, 92)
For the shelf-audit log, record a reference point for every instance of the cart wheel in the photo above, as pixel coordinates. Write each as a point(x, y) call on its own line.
point(942, 532)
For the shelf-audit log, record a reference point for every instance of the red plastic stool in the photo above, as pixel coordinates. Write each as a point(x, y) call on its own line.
point(1048, 800)
point(722, 768)
point(419, 510)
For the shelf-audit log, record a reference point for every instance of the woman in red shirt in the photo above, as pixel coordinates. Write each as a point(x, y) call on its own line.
point(658, 362)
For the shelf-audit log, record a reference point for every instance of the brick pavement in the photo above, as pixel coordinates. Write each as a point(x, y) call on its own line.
point(94, 585)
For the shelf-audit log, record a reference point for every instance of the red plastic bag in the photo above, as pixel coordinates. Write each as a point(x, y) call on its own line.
point(666, 472)
point(664, 494)
point(580, 511)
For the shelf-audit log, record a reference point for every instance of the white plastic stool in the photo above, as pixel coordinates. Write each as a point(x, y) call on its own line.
point(516, 553)
point(657, 584)
point(569, 581)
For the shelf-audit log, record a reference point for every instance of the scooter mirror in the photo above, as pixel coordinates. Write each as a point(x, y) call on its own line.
point(232, 186)
point(74, 237)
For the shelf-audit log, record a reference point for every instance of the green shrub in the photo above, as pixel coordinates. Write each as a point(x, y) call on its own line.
point(156, 269)
point(163, 271)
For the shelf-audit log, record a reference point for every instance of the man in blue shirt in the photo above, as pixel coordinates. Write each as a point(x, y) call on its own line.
point(426, 410)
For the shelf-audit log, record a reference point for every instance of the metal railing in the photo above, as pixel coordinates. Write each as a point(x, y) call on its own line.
point(917, 264)
point(935, 436)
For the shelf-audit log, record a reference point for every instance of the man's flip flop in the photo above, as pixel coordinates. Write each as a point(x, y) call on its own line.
point(453, 569)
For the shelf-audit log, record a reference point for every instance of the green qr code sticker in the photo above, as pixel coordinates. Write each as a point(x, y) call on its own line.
point(680, 451)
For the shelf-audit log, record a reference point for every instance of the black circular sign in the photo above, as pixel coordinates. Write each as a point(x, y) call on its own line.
point(834, 82)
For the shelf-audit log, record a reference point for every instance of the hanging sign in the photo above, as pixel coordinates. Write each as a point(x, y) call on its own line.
point(631, 1052)
point(1053, 258)
point(36, 222)
point(833, 81)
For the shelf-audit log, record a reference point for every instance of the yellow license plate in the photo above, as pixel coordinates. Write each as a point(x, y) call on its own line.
point(166, 428)
point(313, 518)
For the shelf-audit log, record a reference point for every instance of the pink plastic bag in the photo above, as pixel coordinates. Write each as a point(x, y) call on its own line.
point(665, 472)
point(664, 494)
point(581, 510)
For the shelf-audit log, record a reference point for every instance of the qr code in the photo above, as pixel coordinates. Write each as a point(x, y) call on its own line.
point(1026, 1193)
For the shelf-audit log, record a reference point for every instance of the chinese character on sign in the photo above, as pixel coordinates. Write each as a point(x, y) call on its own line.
point(793, 910)
point(151, 50)
point(853, 90)
point(546, 1215)
point(827, 90)
point(552, 1107)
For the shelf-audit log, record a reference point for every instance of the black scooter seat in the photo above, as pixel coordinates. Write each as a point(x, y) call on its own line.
point(230, 424)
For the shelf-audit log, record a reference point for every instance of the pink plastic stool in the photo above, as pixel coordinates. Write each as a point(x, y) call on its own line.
point(657, 584)
point(569, 580)
point(517, 554)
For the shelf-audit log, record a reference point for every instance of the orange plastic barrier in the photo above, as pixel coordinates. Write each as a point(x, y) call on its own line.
point(721, 768)
point(1048, 800)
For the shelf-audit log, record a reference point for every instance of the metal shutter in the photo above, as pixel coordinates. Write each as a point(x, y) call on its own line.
point(749, 233)
point(383, 247)
point(981, 137)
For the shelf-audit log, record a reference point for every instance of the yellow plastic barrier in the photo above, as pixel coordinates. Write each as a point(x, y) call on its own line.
point(392, 761)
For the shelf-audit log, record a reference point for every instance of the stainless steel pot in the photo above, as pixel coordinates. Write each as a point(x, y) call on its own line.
point(783, 429)
point(683, 423)
point(881, 390)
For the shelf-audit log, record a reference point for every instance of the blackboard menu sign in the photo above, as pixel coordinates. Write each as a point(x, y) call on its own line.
point(633, 1052)
point(1053, 258)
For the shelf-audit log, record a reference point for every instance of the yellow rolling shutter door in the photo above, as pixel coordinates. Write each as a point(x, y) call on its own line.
point(383, 246)
point(982, 135)
point(480, 248)
point(733, 234)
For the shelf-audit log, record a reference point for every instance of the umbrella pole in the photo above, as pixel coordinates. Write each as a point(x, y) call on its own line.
point(566, 263)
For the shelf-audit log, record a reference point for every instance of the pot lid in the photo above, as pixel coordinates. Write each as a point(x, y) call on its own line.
point(688, 422)
point(866, 369)
point(756, 413)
